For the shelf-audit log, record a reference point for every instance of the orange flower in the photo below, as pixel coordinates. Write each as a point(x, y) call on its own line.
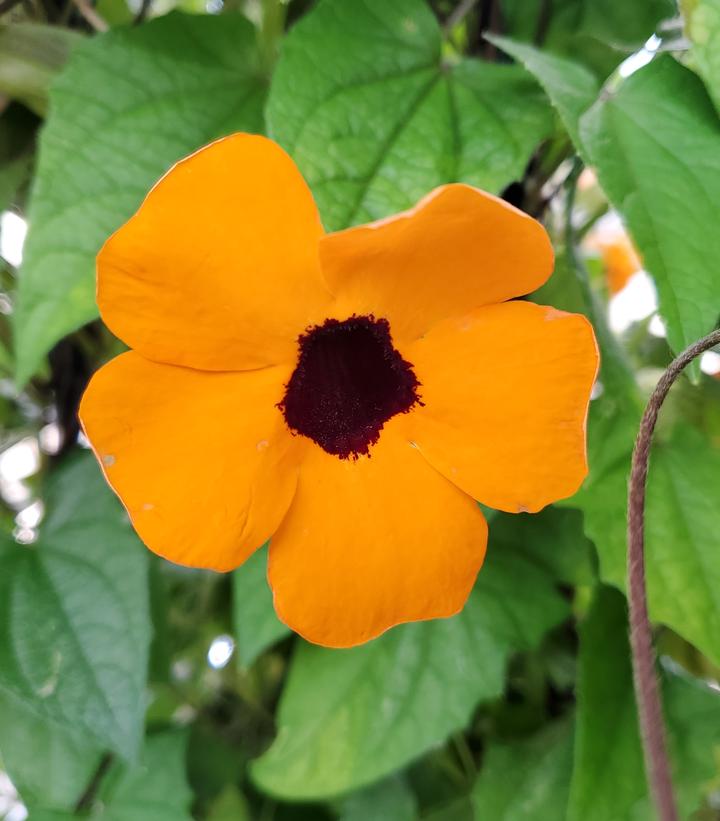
point(619, 257)
point(348, 394)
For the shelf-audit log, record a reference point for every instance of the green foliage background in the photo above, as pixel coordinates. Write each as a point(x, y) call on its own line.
point(521, 707)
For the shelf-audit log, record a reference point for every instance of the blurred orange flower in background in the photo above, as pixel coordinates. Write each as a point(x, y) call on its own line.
point(619, 257)
point(364, 387)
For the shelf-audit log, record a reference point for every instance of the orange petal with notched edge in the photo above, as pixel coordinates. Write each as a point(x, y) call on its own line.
point(457, 249)
point(202, 461)
point(506, 392)
point(219, 269)
point(374, 542)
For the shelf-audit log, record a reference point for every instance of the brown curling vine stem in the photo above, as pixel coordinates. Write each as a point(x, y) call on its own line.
point(652, 727)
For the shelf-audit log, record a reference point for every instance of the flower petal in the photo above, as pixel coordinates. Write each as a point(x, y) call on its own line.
point(219, 268)
point(459, 248)
point(506, 392)
point(371, 543)
point(202, 461)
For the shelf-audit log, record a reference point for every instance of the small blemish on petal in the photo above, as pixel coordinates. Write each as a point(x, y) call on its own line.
point(454, 471)
point(552, 314)
point(263, 444)
point(523, 509)
point(108, 460)
point(148, 506)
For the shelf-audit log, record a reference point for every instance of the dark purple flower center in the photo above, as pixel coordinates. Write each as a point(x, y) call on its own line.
point(349, 380)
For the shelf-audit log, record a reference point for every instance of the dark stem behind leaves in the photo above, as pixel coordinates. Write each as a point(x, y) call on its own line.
point(87, 799)
point(143, 12)
point(652, 728)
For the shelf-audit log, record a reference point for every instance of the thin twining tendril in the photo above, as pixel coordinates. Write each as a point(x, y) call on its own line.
point(650, 715)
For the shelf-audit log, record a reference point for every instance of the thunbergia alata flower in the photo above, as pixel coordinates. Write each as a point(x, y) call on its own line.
point(348, 395)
